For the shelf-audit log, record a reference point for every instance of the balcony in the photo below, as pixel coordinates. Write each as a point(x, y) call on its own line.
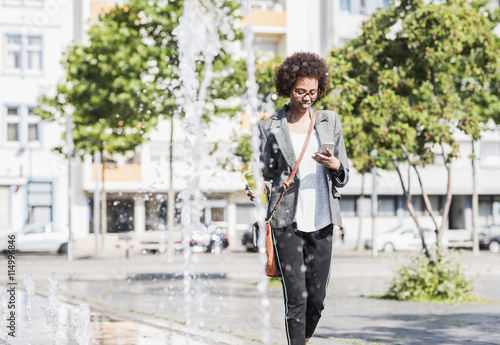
point(267, 19)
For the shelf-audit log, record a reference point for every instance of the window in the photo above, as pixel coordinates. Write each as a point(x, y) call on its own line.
point(419, 205)
point(353, 206)
point(436, 203)
point(345, 5)
point(13, 119)
point(348, 206)
point(32, 132)
point(22, 126)
point(120, 214)
point(33, 125)
point(23, 54)
point(34, 53)
point(386, 205)
point(364, 6)
point(40, 201)
point(489, 209)
point(13, 54)
point(157, 212)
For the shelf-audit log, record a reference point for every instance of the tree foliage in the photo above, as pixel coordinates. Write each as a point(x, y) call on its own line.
point(119, 84)
point(417, 73)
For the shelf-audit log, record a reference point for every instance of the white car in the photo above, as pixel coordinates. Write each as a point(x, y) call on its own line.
point(403, 238)
point(49, 237)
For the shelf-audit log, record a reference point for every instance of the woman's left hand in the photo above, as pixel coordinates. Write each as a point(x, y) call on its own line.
point(327, 159)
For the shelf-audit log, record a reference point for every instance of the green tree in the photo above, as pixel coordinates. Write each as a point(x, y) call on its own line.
point(416, 74)
point(118, 85)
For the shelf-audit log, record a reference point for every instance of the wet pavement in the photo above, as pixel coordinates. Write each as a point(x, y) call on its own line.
point(142, 300)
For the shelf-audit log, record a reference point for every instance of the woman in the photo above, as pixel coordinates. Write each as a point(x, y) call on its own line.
point(302, 225)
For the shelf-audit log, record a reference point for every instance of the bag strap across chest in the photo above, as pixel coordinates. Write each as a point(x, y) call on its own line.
point(286, 185)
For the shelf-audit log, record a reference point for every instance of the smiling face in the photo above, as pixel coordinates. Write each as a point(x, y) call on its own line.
point(303, 94)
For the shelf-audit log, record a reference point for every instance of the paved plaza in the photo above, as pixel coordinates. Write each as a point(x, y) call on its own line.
point(143, 300)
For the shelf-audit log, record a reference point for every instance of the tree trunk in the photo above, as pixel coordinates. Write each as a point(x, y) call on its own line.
point(449, 196)
point(428, 207)
point(361, 215)
point(427, 203)
point(409, 205)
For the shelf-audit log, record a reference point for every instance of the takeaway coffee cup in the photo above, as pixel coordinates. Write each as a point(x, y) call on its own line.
point(251, 184)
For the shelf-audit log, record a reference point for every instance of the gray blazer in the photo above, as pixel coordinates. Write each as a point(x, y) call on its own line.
point(278, 157)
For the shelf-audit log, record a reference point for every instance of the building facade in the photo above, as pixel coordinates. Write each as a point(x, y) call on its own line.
point(33, 35)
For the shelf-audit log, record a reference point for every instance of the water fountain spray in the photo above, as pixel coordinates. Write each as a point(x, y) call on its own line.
point(83, 331)
point(252, 108)
point(30, 294)
point(198, 40)
point(53, 307)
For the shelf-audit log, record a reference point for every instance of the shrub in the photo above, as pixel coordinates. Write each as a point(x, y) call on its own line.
point(440, 280)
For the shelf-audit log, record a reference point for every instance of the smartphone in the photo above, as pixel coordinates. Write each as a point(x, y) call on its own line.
point(324, 146)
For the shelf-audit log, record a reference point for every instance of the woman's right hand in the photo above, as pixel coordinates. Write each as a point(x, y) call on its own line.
point(249, 193)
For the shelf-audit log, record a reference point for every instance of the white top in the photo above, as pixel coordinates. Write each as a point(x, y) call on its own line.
point(313, 206)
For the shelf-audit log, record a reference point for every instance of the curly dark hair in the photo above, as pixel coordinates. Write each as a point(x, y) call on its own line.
point(301, 65)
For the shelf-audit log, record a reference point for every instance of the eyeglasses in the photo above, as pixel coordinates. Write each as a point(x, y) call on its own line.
point(302, 93)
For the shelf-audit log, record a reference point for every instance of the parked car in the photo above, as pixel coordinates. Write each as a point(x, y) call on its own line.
point(403, 238)
point(49, 237)
point(213, 240)
point(154, 241)
point(489, 238)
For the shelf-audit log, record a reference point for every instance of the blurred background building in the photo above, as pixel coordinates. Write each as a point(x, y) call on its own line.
point(34, 178)
point(33, 36)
